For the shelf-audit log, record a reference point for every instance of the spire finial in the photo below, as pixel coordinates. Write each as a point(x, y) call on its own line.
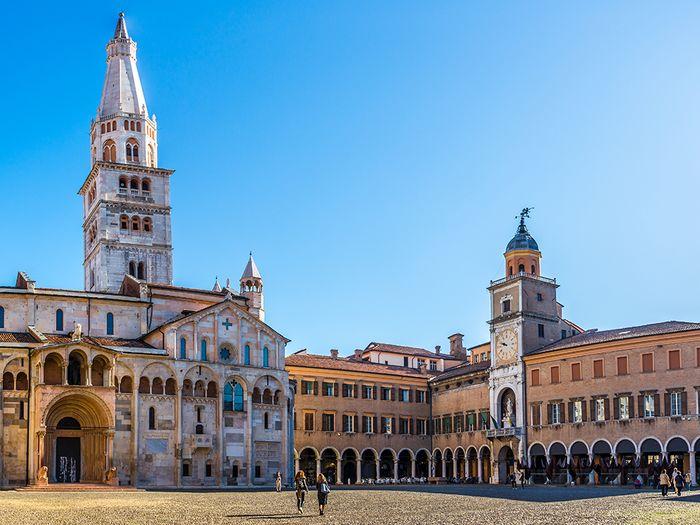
point(120, 31)
point(524, 213)
point(217, 286)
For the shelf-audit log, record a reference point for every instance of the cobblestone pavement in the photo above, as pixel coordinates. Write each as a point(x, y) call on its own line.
point(394, 505)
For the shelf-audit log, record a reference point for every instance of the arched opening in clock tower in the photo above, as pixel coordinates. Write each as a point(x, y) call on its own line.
point(506, 408)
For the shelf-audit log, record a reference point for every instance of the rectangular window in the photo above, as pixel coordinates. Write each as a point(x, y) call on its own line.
point(405, 361)
point(420, 396)
point(258, 471)
point(622, 369)
point(185, 469)
point(600, 409)
point(328, 422)
point(404, 395)
point(309, 421)
point(624, 407)
point(556, 413)
point(21, 410)
point(540, 330)
point(207, 470)
point(327, 389)
point(471, 421)
point(420, 362)
point(386, 393)
point(676, 404)
point(307, 388)
point(674, 359)
point(348, 390)
point(387, 425)
point(597, 368)
point(505, 306)
point(563, 334)
point(420, 427)
point(539, 297)
point(433, 366)
point(647, 362)
point(576, 371)
point(535, 414)
point(348, 423)
point(367, 424)
point(649, 405)
point(367, 392)
point(437, 427)
point(404, 426)
point(476, 358)
point(697, 357)
point(577, 412)
point(484, 420)
point(554, 374)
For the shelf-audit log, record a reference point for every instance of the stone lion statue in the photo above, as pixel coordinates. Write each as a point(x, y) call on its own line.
point(111, 476)
point(42, 477)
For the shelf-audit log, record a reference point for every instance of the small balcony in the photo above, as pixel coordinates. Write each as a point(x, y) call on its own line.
point(196, 441)
point(504, 432)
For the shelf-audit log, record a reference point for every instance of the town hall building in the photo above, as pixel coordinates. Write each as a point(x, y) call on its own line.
point(133, 380)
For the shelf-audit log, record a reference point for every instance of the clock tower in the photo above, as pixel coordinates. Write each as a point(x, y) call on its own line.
point(525, 316)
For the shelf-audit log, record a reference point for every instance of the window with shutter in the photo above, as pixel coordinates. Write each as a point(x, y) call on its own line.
point(598, 368)
point(622, 365)
point(647, 362)
point(554, 374)
point(535, 377)
point(576, 371)
point(674, 359)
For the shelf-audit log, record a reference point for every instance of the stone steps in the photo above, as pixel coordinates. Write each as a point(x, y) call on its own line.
point(76, 487)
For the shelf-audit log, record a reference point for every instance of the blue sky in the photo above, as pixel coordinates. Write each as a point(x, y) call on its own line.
point(373, 155)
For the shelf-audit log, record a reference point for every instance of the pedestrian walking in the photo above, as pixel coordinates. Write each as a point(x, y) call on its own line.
point(301, 489)
point(278, 482)
point(664, 483)
point(323, 490)
point(677, 481)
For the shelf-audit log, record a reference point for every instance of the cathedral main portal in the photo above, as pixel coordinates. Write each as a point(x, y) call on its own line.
point(78, 441)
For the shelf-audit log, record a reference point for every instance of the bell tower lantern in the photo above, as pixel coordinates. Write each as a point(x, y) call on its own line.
point(522, 253)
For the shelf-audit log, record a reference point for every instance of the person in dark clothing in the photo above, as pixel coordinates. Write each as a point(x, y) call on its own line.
point(301, 489)
point(322, 489)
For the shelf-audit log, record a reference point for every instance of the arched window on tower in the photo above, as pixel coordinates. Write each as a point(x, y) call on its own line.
point(267, 420)
point(147, 225)
point(521, 268)
point(126, 125)
point(109, 151)
point(138, 127)
point(132, 150)
point(131, 125)
point(532, 269)
point(246, 355)
point(110, 323)
point(134, 184)
point(266, 358)
point(59, 320)
point(141, 274)
point(132, 268)
point(135, 223)
point(146, 185)
point(151, 157)
point(124, 222)
point(203, 350)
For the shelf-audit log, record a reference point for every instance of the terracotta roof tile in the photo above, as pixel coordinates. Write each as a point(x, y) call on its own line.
point(461, 370)
point(409, 350)
point(16, 337)
point(594, 336)
point(349, 364)
point(57, 339)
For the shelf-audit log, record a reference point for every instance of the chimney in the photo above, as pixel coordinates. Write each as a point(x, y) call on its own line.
point(437, 349)
point(334, 353)
point(358, 354)
point(457, 346)
point(423, 368)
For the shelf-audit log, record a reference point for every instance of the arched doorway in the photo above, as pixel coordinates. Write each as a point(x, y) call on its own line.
point(472, 465)
point(349, 467)
point(449, 464)
point(676, 449)
point(307, 463)
point(506, 459)
point(602, 462)
point(77, 444)
point(579, 459)
point(422, 464)
point(329, 463)
point(486, 464)
point(404, 464)
point(626, 453)
point(459, 455)
point(556, 469)
point(538, 463)
point(386, 464)
point(369, 464)
point(437, 463)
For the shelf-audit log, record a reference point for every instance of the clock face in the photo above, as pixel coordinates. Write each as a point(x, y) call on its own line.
point(506, 345)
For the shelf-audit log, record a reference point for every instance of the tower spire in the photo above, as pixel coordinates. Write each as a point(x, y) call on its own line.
point(252, 288)
point(120, 31)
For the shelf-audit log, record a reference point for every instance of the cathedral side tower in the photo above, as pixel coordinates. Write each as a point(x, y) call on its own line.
point(126, 196)
point(252, 289)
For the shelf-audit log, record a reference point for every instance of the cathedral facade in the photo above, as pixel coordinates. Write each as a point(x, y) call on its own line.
point(135, 381)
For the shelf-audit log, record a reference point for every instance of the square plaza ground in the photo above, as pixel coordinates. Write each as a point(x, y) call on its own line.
point(399, 505)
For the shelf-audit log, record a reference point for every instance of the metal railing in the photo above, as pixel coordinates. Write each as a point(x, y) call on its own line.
point(524, 274)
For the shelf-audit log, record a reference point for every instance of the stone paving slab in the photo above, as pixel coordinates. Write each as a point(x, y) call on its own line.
point(393, 505)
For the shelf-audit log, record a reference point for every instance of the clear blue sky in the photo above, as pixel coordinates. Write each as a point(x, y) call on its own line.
point(373, 155)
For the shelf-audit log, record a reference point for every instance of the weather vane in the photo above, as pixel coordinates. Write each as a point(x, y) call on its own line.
point(525, 213)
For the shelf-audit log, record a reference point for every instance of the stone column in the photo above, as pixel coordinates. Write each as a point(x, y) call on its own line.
point(249, 438)
point(431, 467)
point(135, 435)
point(110, 449)
point(454, 466)
point(318, 467)
point(285, 437)
point(65, 374)
point(693, 468)
point(568, 474)
point(396, 470)
point(222, 446)
point(40, 452)
point(479, 468)
point(178, 436)
point(338, 472)
point(413, 467)
point(443, 464)
point(376, 469)
point(358, 470)
point(88, 375)
point(296, 466)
